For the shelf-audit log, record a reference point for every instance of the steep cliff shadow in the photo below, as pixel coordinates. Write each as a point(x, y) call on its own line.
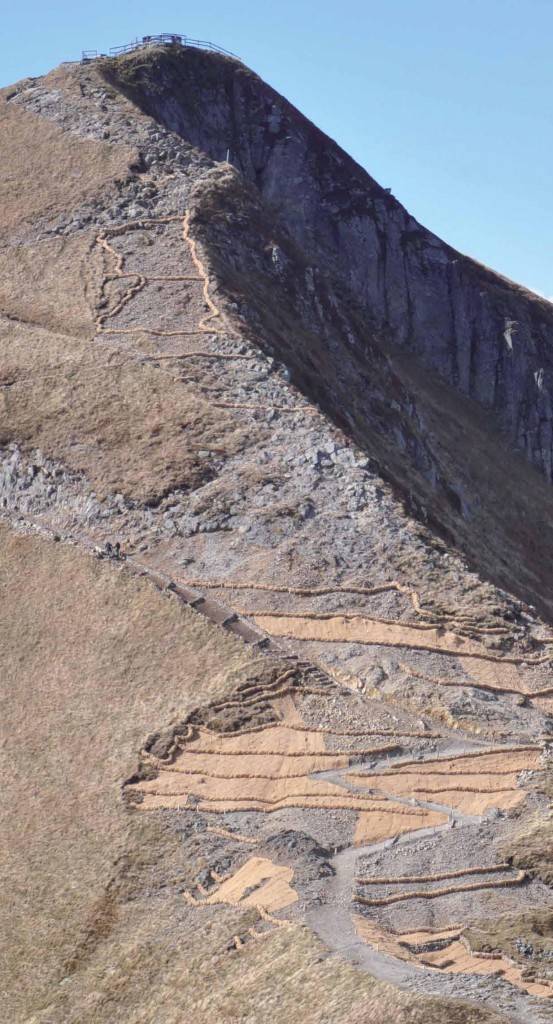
point(456, 472)
point(489, 338)
point(435, 365)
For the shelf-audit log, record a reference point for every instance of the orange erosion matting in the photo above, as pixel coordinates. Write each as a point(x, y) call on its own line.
point(455, 958)
point(469, 783)
point(486, 675)
point(258, 883)
point(360, 629)
point(268, 770)
point(392, 820)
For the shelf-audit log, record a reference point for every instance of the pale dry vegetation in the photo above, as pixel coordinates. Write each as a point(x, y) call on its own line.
point(45, 172)
point(499, 933)
point(531, 847)
point(90, 659)
point(453, 953)
point(268, 769)
point(46, 285)
point(160, 970)
point(127, 426)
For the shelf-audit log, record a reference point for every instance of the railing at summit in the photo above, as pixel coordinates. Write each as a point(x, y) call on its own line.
point(166, 39)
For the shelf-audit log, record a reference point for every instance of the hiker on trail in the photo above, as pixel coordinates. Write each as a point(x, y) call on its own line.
point(114, 551)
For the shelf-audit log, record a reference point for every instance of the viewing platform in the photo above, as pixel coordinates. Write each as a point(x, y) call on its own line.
point(147, 42)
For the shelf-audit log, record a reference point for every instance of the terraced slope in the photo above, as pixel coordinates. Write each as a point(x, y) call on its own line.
point(288, 733)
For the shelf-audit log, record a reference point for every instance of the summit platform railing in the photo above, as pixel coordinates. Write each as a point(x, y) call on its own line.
point(166, 39)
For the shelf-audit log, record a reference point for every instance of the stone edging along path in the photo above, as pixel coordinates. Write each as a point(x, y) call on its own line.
point(333, 921)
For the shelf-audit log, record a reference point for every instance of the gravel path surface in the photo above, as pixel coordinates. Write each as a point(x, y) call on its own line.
point(332, 920)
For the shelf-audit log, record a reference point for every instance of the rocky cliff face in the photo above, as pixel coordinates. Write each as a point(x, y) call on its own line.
point(431, 361)
point(488, 338)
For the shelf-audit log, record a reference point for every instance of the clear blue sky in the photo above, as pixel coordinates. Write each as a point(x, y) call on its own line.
point(446, 102)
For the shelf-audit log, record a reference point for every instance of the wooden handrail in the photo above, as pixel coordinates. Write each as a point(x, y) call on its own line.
point(165, 39)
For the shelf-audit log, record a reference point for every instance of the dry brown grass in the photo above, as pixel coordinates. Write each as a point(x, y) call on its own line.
point(45, 172)
point(91, 659)
point(261, 769)
point(287, 976)
point(94, 659)
point(362, 629)
point(502, 934)
point(384, 822)
point(531, 845)
point(495, 678)
point(270, 883)
point(498, 933)
point(50, 285)
point(471, 783)
point(128, 427)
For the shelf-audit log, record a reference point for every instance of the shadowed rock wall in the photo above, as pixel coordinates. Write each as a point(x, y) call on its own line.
point(418, 293)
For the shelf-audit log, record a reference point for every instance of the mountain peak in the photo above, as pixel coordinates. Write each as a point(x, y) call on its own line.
point(275, 507)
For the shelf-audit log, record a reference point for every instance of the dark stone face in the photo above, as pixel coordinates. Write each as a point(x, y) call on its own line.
point(469, 327)
point(435, 365)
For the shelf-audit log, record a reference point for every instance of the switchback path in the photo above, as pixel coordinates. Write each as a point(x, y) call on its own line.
point(332, 918)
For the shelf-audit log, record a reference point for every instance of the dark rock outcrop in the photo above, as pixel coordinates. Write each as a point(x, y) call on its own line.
point(437, 366)
point(487, 337)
